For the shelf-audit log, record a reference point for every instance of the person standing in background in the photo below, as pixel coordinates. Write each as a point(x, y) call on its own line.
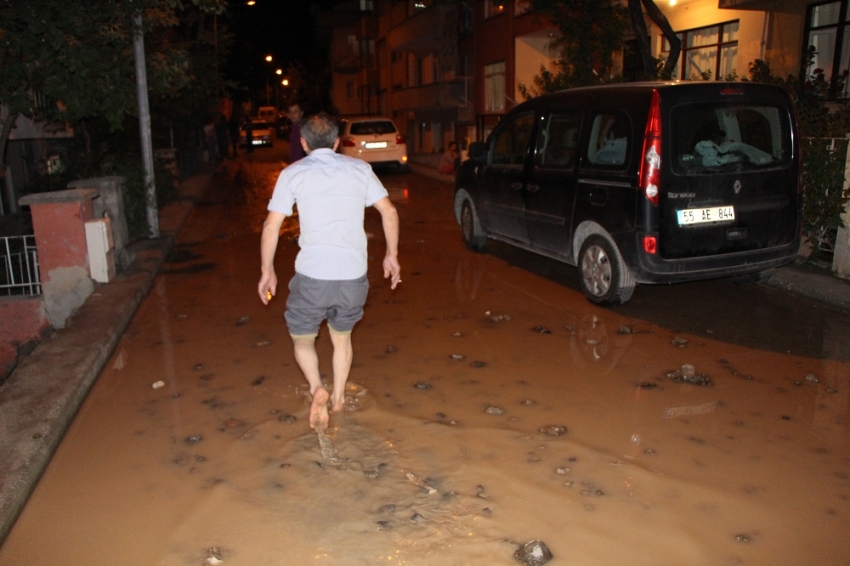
point(295, 115)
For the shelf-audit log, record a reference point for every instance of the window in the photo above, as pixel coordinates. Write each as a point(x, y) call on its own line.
point(366, 5)
point(494, 87)
point(828, 33)
point(510, 143)
point(609, 139)
point(711, 136)
point(556, 142)
point(707, 53)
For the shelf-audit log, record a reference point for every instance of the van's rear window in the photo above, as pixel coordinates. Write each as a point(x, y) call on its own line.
point(712, 137)
point(377, 127)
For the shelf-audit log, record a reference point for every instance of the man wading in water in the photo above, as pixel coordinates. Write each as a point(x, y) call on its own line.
point(332, 192)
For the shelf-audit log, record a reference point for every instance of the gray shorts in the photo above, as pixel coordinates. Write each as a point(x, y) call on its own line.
point(311, 301)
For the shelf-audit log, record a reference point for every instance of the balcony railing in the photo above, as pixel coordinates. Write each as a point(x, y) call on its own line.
point(20, 260)
point(454, 93)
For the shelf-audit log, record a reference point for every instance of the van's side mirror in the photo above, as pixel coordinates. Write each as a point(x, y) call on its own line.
point(478, 151)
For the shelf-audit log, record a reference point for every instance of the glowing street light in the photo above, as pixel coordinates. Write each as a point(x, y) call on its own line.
point(285, 82)
point(268, 58)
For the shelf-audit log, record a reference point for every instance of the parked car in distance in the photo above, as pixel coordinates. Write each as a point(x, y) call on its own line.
point(655, 182)
point(261, 135)
point(373, 139)
point(268, 114)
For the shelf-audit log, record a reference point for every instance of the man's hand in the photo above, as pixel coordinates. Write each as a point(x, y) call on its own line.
point(389, 220)
point(267, 287)
point(392, 269)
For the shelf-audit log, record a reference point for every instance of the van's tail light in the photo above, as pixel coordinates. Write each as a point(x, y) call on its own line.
point(650, 166)
point(348, 142)
point(399, 139)
point(650, 244)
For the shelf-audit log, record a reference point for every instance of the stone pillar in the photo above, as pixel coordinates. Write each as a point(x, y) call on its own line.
point(111, 202)
point(841, 255)
point(59, 219)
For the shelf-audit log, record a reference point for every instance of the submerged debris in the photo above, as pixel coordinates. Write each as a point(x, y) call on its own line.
point(687, 374)
point(492, 410)
point(541, 329)
point(421, 483)
point(286, 418)
point(625, 330)
point(647, 385)
point(259, 380)
point(242, 320)
point(553, 430)
point(194, 439)
point(390, 349)
point(533, 553)
point(158, 384)
point(500, 317)
point(458, 356)
point(679, 342)
point(811, 378)
point(422, 385)
point(478, 364)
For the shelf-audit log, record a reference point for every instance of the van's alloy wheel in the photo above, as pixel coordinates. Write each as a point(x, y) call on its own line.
point(603, 276)
point(473, 236)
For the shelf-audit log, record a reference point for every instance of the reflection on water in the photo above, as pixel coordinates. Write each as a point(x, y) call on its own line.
point(220, 464)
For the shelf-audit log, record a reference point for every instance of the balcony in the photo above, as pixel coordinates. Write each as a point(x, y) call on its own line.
point(425, 32)
point(434, 100)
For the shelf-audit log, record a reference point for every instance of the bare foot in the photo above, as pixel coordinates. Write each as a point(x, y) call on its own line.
point(319, 409)
point(338, 405)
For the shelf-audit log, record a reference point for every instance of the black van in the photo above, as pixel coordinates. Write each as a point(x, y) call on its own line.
point(655, 182)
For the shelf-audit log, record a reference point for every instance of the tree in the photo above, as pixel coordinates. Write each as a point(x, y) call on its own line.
point(73, 62)
point(642, 36)
point(591, 31)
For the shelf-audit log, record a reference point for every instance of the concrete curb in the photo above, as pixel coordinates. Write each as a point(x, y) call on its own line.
point(40, 398)
point(828, 289)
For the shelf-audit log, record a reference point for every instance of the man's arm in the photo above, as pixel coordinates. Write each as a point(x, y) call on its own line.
point(389, 218)
point(268, 246)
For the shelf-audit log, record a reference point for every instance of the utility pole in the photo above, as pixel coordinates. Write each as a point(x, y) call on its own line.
point(145, 127)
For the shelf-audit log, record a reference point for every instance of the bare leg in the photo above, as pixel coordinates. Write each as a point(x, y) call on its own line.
point(343, 355)
point(308, 361)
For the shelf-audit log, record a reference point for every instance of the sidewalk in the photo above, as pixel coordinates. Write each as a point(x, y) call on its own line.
point(41, 397)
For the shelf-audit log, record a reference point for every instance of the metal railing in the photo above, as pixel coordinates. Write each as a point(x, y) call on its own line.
point(20, 275)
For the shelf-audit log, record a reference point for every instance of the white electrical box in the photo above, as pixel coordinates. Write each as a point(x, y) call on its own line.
point(101, 249)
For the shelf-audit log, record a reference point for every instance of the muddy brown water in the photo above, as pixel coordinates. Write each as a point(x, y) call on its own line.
point(219, 465)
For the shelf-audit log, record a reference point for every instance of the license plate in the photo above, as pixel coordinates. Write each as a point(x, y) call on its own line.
point(705, 215)
point(376, 145)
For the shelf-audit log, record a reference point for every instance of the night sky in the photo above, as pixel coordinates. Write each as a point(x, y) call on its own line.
point(285, 29)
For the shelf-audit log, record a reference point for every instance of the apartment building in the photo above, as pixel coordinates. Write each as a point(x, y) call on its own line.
point(450, 69)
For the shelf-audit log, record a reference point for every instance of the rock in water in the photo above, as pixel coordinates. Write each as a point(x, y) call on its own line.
point(533, 553)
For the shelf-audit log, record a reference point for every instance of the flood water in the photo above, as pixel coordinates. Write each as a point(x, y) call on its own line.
point(460, 377)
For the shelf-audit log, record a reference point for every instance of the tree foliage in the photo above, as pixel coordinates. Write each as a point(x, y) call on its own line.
point(591, 31)
point(69, 61)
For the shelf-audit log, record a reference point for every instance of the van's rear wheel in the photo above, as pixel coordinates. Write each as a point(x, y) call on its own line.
point(473, 236)
point(603, 275)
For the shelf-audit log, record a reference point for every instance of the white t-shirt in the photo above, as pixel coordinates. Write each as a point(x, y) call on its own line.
point(332, 192)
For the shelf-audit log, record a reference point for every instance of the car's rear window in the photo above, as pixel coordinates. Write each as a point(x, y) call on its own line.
point(710, 137)
point(373, 127)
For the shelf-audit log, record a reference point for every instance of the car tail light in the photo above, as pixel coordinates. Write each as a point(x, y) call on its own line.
point(650, 244)
point(349, 142)
point(399, 139)
point(650, 166)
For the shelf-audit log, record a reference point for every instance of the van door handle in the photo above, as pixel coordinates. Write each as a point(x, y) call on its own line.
point(516, 186)
point(532, 188)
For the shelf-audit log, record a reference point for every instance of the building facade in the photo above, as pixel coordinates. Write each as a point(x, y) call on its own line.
point(449, 69)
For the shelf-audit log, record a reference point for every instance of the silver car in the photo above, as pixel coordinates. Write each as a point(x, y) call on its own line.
point(373, 139)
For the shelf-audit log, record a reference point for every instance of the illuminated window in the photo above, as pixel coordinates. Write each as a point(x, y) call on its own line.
point(828, 32)
point(494, 87)
point(707, 53)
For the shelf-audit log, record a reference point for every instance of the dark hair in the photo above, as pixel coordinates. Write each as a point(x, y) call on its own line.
point(320, 131)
